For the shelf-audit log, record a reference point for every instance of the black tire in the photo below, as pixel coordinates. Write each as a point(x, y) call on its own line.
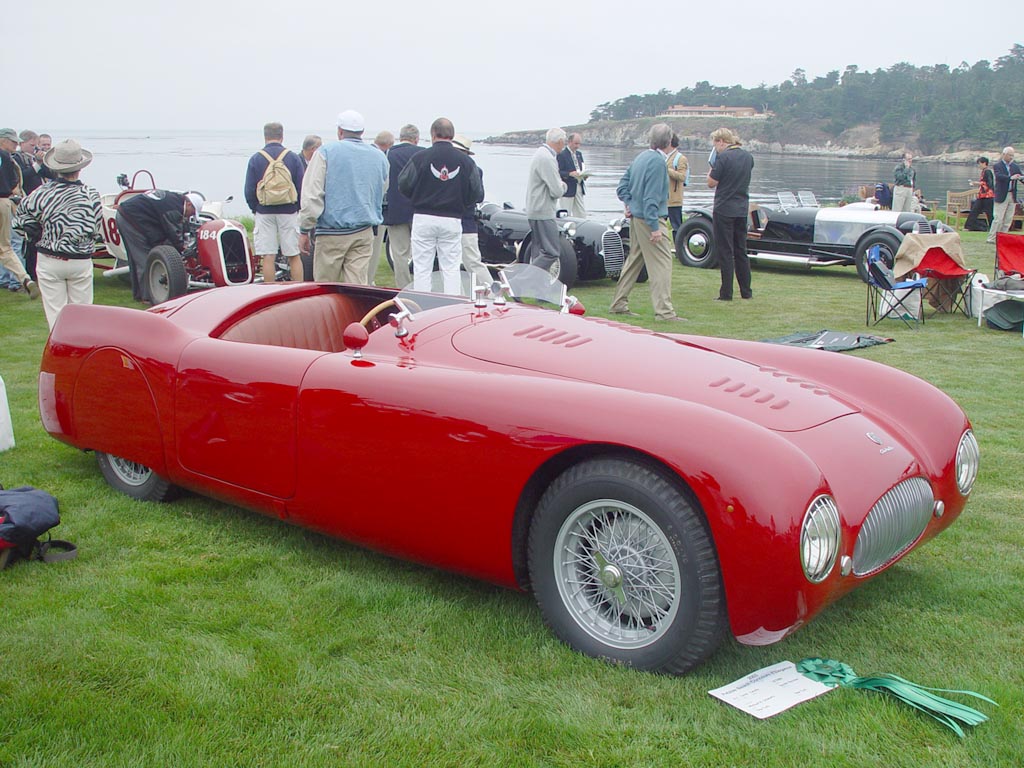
point(888, 245)
point(652, 596)
point(565, 269)
point(134, 479)
point(165, 274)
point(695, 245)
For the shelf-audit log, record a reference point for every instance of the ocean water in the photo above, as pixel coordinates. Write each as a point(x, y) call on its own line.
point(214, 162)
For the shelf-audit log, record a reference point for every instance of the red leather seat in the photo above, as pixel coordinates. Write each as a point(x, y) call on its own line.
point(311, 322)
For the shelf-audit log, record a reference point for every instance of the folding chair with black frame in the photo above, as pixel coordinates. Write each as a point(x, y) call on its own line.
point(949, 284)
point(891, 298)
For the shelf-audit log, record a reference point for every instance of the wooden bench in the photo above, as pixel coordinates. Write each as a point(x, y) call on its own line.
point(959, 204)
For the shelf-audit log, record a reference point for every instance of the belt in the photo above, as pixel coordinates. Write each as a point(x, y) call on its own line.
point(62, 257)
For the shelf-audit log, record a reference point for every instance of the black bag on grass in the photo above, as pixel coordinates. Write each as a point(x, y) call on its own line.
point(26, 514)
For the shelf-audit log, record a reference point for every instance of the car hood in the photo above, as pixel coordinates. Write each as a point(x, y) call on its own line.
point(613, 354)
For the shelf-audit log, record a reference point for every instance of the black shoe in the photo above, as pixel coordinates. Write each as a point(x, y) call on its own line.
point(722, 298)
point(748, 296)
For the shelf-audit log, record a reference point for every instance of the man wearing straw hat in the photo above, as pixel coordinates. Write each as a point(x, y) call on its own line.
point(63, 219)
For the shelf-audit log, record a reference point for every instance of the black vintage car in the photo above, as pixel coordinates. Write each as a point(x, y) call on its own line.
point(591, 250)
point(809, 236)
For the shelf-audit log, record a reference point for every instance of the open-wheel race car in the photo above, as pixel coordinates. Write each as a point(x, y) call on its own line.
point(217, 250)
point(806, 236)
point(735, 487)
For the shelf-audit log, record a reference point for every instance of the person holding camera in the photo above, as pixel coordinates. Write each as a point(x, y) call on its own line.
point(10, 196)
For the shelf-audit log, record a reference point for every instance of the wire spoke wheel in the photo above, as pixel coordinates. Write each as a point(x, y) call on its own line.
point(616, 574)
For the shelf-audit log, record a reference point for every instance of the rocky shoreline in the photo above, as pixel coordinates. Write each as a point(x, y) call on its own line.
point(760, 136)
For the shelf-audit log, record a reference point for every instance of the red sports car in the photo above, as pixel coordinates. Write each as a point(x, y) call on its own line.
point(653, 490)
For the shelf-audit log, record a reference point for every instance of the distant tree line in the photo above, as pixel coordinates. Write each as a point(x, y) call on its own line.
point(978, 103)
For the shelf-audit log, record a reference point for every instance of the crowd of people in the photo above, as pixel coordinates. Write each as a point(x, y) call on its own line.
point(326, 209)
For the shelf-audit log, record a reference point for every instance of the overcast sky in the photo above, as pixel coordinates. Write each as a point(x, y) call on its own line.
point(489, 66)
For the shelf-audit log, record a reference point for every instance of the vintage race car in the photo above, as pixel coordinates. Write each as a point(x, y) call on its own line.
point(733, 487)
point(591, 250)
point(217, 250)
point(808, 236)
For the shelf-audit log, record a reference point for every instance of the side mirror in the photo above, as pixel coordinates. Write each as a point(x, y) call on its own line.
point(355, 338)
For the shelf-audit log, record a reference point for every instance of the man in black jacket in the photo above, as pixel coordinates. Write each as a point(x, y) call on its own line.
point(570, 169)
point(1007, 175)
point(441, 182)
point(150, 219)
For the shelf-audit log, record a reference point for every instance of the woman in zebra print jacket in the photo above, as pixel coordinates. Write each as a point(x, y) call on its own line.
point(63, 217)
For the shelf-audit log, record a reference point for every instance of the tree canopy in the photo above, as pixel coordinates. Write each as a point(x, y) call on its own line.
point(940, 106)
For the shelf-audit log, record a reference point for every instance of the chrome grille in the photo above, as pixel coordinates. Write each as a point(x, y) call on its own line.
point(895, 522)
point(613, 253)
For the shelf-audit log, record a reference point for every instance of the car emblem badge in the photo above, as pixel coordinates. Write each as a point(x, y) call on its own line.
point(878, 441)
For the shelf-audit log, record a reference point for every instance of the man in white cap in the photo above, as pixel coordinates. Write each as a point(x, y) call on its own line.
point(342, 196)
point(10, 192)
point(63, 219)
point(145, 221)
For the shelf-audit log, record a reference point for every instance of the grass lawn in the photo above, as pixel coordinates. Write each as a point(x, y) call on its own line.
point(199, 634)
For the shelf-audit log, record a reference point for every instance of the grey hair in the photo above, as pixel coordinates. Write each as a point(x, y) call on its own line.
point(311, 141)
point(661, 135)
point(554, 135)
point(384, 139)
point(409, 132)
point(273, 131)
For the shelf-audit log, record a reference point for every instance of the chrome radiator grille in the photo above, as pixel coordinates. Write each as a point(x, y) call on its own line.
point(894, 523)
point(613, 253)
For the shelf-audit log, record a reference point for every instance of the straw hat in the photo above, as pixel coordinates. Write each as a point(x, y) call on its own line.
point(66, 157)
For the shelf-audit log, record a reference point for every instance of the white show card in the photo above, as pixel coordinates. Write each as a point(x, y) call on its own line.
point(770, 690)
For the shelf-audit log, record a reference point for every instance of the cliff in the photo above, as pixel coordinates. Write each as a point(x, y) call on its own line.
point(772, 135)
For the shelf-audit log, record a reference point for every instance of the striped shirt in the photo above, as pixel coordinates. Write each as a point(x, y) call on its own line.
point(64, 216)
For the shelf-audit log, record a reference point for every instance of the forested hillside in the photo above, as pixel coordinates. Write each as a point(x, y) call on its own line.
point(940, 108)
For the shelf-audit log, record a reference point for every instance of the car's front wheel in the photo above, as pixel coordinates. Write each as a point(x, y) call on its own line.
point(887, 244)
point(695, 244)
point(134, 479)
point(623, 567)
point(165, 274)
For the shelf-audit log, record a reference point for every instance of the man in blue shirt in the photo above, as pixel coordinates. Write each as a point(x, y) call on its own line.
point(644, 191)
point(342, 196)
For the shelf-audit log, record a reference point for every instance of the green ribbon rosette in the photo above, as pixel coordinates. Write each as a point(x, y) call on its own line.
point(948, 712)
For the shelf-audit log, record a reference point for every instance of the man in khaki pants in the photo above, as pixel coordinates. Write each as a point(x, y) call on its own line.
point(10, 192)
point(644, 191)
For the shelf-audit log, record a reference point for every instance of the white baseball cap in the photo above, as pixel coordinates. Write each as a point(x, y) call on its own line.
point(351, 121)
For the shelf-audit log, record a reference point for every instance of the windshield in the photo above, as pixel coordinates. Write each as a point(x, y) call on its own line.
point(516, 282)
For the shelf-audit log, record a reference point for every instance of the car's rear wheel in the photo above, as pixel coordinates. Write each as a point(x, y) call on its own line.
point(623, 567)
point(565, 268)
point(165, 274)
point(134, 479)
point(887, 244)
point(695, 245)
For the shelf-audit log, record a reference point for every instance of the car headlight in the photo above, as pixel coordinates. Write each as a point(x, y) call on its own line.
point(968, 457)
point(819, 538)
point(569, 228)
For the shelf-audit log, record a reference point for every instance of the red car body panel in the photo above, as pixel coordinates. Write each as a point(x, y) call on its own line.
point(427, 447)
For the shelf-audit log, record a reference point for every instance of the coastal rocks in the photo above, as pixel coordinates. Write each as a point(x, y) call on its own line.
point(761, 136)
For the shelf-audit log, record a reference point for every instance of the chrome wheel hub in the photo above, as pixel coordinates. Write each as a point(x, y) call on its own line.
point(617, 574)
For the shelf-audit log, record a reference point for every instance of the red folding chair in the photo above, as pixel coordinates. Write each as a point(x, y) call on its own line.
point(1009, 255)
point(949, 284)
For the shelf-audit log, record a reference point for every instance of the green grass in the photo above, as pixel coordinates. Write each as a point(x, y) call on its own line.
point(198, 634)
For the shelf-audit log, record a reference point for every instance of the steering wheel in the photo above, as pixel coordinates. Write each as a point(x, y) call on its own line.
point(387, 303)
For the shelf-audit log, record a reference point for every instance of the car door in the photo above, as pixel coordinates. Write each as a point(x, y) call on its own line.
point(235, 412)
